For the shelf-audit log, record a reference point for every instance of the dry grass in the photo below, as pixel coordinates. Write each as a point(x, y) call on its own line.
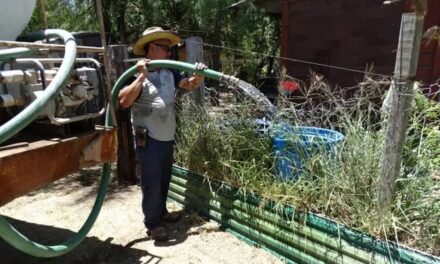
point(342, 188)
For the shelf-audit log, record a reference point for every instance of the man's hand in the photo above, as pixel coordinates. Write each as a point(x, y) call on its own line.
point(141, 67)
point(195, 80)
point(130, 93)
point(198, 79)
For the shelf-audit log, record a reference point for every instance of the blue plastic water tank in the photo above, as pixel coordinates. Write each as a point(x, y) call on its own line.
point(295, 144)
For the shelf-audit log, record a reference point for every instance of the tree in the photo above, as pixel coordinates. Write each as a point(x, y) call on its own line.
point(71, 15)
point(218, 22)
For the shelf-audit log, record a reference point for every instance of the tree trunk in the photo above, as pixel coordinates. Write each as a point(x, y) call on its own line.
point(217, 40)
point(106, 7)
point(126, 155)
point(121, 8)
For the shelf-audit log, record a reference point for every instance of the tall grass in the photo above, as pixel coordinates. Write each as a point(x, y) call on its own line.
point(228, 147)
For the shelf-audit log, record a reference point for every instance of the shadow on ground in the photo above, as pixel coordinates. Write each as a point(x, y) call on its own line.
point(87, 178)
point(91, 250)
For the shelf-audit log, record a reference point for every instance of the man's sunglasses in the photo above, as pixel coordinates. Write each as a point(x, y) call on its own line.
point(165, 47)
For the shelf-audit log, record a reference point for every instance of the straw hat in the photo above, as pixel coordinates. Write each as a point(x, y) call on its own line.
point(152, 34)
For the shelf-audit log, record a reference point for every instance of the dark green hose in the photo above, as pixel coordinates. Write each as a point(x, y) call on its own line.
point(7, 231)
point(178, 65)
point(22, 243)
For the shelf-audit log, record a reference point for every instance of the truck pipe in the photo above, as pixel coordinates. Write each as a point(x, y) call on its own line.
point(13, 53)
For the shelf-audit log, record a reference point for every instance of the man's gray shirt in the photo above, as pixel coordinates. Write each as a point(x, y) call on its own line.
point(155, 107)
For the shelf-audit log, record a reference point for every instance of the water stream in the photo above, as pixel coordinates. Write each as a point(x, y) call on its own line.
point(262, 101)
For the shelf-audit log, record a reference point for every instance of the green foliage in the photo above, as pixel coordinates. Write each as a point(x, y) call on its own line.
point(77, 15)
point(257, 33)
point(222, 147)
point(423, 136)
point(244, 27)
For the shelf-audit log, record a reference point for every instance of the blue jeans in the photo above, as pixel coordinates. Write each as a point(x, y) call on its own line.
point(156, 160)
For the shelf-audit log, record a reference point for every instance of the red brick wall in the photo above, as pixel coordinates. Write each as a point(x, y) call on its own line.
point(347, 33)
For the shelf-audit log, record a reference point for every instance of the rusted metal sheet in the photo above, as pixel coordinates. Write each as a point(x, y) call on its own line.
point(28, 166)
point(351, 34)
point(432, 47)
point(428, 71)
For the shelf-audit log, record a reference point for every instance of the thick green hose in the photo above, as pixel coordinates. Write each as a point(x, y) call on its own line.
point(7, 231)
point(22, 243)
point(248, 89)
point(13, 53)
point(178, 65)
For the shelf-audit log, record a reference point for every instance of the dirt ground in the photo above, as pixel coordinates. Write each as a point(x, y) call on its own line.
point(52, 214)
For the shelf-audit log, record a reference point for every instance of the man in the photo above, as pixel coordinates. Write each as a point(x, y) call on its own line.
point(151, 97)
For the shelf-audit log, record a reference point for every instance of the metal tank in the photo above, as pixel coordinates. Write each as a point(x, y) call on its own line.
point(14, 16)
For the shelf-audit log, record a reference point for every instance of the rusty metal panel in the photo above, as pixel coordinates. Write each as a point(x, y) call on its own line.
point(432, 47)
point(284, 30)
point(349, 34)
point(28, 166)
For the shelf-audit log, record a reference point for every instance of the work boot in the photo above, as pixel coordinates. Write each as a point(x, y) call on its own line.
point(158, 234)
point(172, 217)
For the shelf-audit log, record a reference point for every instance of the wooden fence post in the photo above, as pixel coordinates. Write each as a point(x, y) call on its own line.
point(126, 167)
point(194, 53)
point(115, 65)
point(107, 64)
point(401, 99)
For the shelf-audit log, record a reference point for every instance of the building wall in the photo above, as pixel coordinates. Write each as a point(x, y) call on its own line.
point(346, 33)
point(428, 70)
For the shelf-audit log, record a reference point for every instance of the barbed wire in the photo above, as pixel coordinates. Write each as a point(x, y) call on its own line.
point(292, 59)
point(255, 54)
